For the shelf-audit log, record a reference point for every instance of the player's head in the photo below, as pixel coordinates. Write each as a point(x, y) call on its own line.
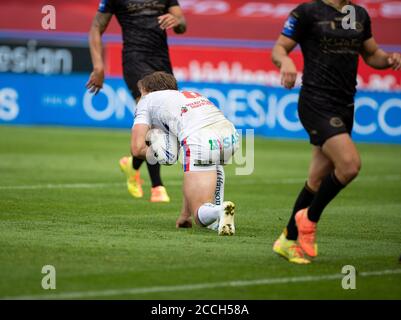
point(157, 81)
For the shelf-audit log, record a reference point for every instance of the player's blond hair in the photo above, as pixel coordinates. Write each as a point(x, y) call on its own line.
point(157, 81)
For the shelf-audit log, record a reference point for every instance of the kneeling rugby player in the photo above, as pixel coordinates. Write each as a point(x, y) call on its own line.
point(208, 142)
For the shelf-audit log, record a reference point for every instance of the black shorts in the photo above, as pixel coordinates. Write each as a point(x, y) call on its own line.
point(137, 65)
point(324, 122)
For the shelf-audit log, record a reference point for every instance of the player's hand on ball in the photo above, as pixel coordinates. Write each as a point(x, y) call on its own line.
point(168, 21)
point(95, 82)
point(164, 147)
point(288, 73)
point(395, 61)
point(184, 222)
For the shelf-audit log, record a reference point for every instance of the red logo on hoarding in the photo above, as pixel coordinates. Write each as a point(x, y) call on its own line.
point(252, 66)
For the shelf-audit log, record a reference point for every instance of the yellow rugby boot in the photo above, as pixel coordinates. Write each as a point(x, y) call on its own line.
point(134, 182)
point(290, 250)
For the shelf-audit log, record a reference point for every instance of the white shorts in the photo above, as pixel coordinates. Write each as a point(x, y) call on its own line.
point(210, 146)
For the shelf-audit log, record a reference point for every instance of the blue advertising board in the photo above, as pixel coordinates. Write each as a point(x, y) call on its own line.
point(271, 112)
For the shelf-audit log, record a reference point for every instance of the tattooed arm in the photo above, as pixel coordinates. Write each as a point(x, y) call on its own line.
point(99, 25)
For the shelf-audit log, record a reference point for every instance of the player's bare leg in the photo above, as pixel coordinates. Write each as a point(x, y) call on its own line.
point(342, 151)
point(320, 166)
point(198, 188)
point(199, 192)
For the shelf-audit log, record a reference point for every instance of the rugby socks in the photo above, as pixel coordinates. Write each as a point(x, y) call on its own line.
point(153, 169)
point(154, 173)
point(208, 213)
point(303, 201)
point(136, 163)
point(328, 190)
point(219, 192)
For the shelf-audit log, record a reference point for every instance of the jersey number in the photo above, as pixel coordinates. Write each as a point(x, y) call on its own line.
point(191, 94)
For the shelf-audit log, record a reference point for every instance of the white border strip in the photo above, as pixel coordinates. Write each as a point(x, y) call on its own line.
point(192, 287)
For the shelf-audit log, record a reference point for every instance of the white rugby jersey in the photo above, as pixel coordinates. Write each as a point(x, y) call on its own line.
point(178, 112)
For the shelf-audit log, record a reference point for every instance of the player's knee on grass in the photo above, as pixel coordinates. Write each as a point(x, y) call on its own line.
point(206, 214)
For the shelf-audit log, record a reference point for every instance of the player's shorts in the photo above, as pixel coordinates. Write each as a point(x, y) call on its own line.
point(324, 122)
point(210, 146)
point(138, 65)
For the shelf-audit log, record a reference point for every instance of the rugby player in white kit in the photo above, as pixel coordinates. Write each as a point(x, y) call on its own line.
point(208, 141)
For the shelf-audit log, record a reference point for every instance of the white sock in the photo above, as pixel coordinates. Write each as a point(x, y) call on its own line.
point(219, 192)
point(208, 213)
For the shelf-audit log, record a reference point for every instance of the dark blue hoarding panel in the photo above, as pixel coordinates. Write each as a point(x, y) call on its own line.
point(272, 112)
point(63, 100)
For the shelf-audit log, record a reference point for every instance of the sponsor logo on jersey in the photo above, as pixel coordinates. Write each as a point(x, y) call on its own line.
point(336, 122)
point(289, 26)
point(102, 5)
point(184, 110)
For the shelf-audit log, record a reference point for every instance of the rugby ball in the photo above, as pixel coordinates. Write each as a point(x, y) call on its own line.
point(164, 146)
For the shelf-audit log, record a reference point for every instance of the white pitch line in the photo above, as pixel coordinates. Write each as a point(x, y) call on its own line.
point(198, 286)
point(62, 186)
point(178, 183)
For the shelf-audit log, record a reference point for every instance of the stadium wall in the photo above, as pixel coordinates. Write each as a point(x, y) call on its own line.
point(271, 112)
point(42, 82)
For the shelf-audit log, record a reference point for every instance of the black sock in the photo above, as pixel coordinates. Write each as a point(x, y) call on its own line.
point(136, 163)
point(328, 190)
point(303, 201)
point(154, 173)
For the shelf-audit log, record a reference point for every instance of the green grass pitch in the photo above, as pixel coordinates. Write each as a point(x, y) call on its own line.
point(63, 202)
